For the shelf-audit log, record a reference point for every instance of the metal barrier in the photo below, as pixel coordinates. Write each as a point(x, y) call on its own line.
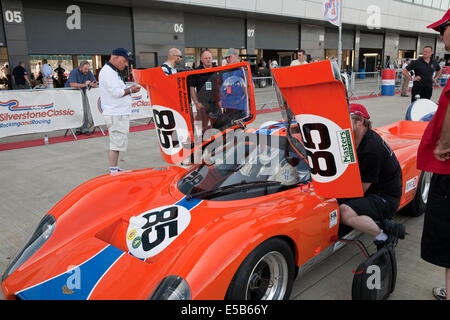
point(365, 83)
point(262, 82)
point(265, 95)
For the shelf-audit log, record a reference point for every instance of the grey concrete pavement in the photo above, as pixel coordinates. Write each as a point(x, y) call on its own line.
point(34, 179)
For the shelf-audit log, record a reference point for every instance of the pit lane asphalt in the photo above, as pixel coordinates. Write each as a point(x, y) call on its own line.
point(34, 179)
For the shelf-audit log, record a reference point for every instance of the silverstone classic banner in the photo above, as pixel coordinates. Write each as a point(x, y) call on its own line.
point(140, 106)
point(34, 111)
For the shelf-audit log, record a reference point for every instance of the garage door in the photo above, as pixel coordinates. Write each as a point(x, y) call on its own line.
point(407, 43)
point(276, 35)
point(203, 31)
point(60, 27)
point(332, 39)
point(371, 40)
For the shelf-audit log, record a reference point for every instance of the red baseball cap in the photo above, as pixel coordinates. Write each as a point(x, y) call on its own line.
point(359, 110)
point(444, 19)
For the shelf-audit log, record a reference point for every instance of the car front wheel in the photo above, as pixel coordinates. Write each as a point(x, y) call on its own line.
point(266, 274)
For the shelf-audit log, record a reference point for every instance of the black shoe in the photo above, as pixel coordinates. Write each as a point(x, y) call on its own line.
point(391, 241)
point(393, 229)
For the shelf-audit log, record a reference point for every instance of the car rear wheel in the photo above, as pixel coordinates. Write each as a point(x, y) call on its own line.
point(266, 274)
point(417, 206)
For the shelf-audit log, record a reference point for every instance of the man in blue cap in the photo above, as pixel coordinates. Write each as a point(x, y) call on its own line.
point(116, 104)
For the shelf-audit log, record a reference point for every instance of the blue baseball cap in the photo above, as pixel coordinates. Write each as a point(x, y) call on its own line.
point(122, 52)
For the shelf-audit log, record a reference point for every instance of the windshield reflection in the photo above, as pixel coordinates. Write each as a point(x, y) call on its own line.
point(249, 159)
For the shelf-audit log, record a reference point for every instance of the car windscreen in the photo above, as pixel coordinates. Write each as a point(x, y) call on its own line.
point(260, 162)
point(219, 99)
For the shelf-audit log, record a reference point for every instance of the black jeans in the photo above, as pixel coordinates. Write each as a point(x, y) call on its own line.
point(424, 92)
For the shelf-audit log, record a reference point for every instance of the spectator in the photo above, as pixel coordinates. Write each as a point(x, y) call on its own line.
point(47, 74)
point(201, 89)
point(6, 76)
point(60, 73)
point(174, 58)
point(301, 59)
point(116, 103)
point(38, 69)
point(20, 76)
point(405, 81)
point(442, 63)
point(274, 64)
point(424, 69)
point(433, 156)
point(233, 93)
point(82, 78)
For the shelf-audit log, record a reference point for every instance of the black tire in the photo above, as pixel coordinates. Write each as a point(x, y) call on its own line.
point(416, 207)
point(271, 258)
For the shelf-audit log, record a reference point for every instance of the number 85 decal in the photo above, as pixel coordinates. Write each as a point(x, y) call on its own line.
point(158, 229)
point(171, 128)
point(321, 160)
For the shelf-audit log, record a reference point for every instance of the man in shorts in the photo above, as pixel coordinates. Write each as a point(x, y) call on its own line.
point(116, 104)
point(382, 184)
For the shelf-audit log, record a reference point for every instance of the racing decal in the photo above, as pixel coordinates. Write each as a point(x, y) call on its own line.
point(171, 128)
point(316, 99)
point(90, 273)
point(329, 148)
point(333, 218)
point(153, 231)
point(411, 184)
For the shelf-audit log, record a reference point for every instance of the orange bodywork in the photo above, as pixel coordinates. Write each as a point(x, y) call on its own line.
point(93, 231)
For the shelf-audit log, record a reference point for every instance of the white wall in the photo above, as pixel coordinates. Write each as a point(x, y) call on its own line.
point(394, 14)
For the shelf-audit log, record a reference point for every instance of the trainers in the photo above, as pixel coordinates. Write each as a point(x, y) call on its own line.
point(440, 293)
point(391, 228)
point(115, 169)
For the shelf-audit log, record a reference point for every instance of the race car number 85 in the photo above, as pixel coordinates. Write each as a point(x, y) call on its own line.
point(171, 128)
point(329, 147)
point(156, 229)
point(315, 157)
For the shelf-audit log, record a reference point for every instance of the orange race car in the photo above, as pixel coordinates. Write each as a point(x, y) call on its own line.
point(247, 215)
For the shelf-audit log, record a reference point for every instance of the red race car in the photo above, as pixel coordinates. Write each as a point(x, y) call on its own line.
point(253, 209)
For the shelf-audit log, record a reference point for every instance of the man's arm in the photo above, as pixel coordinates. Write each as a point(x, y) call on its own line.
point(442, 151)
point(438, 75)
point(366, 186)
point(406, 74)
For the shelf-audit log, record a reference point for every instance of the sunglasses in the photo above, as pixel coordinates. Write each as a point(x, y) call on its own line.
point(443, 27)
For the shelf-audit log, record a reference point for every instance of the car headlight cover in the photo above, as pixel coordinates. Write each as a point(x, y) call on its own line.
point(37, 240)
point(172, 288)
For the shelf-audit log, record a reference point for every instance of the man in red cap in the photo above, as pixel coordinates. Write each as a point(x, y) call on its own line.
point(382, 184)
point(434, 156)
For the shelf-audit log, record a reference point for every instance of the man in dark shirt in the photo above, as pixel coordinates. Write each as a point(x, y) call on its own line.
point(82, 78)
point(424, 69)
point(202, 91)
point(381, 177)
point(20, 75)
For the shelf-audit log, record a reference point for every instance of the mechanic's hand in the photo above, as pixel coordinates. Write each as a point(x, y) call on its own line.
point(94, 84)
point(418, 78)
point(135, 88)
point(441, 154)
point(87, 83)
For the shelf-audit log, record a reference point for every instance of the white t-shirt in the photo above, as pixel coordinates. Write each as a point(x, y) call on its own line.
point(111, 93)
point(296, 62)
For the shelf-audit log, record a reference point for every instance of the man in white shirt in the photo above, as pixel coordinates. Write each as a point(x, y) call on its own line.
point(47, 74)
point(174, 58)
point(116, 104)
point(301, 59)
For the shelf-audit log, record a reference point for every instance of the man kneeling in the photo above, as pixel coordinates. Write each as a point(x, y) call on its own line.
point(382, 184)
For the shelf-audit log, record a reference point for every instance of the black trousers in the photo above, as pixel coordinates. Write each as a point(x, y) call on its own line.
point(435, 245)
point(424, 92)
